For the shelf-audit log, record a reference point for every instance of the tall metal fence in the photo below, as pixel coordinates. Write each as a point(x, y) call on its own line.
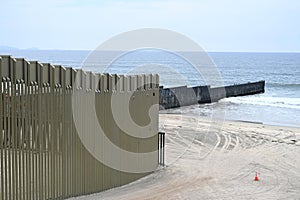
point(42, 153)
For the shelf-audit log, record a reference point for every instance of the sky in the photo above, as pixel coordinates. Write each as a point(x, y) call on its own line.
point(216, 25)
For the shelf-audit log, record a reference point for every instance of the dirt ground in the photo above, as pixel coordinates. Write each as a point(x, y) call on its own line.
point(219, 160)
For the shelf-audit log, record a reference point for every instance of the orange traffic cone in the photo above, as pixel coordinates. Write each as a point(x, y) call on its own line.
point(256, 177)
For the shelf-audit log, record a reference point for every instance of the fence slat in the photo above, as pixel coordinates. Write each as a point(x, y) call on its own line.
point(1, 132)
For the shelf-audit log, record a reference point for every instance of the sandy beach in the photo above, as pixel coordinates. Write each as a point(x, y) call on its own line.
point(219, 160)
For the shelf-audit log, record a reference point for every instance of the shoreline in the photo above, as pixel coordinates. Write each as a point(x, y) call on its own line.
point(230, 120)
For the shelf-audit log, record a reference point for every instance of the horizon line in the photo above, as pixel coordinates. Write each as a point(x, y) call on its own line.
point(209, 51)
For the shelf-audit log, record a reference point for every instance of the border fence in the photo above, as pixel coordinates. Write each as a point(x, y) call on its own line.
point(41, 153)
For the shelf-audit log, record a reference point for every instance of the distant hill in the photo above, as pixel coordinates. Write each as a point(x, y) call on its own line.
point(8, 48)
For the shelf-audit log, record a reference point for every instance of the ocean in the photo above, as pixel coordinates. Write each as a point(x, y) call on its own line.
point(279, 105)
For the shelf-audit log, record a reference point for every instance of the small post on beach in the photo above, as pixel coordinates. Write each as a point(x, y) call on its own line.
point(161, 148)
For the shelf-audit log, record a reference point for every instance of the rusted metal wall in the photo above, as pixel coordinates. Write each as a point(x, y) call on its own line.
point(43, 154)
point(185, 96)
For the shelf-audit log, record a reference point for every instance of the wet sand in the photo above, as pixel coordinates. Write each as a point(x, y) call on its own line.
point(218, 160)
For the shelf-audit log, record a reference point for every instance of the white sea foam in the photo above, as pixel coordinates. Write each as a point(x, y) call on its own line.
point(293, 103)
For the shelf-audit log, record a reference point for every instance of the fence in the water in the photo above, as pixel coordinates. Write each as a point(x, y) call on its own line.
point(185, 96)
point(50, 151)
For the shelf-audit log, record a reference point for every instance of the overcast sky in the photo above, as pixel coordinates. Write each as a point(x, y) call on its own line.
point(216, 25)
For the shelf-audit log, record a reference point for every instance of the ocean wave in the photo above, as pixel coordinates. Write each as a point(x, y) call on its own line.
point(282, 85)
point(293, 103)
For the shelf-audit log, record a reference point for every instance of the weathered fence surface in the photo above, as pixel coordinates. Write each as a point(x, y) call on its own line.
point(42, 153)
